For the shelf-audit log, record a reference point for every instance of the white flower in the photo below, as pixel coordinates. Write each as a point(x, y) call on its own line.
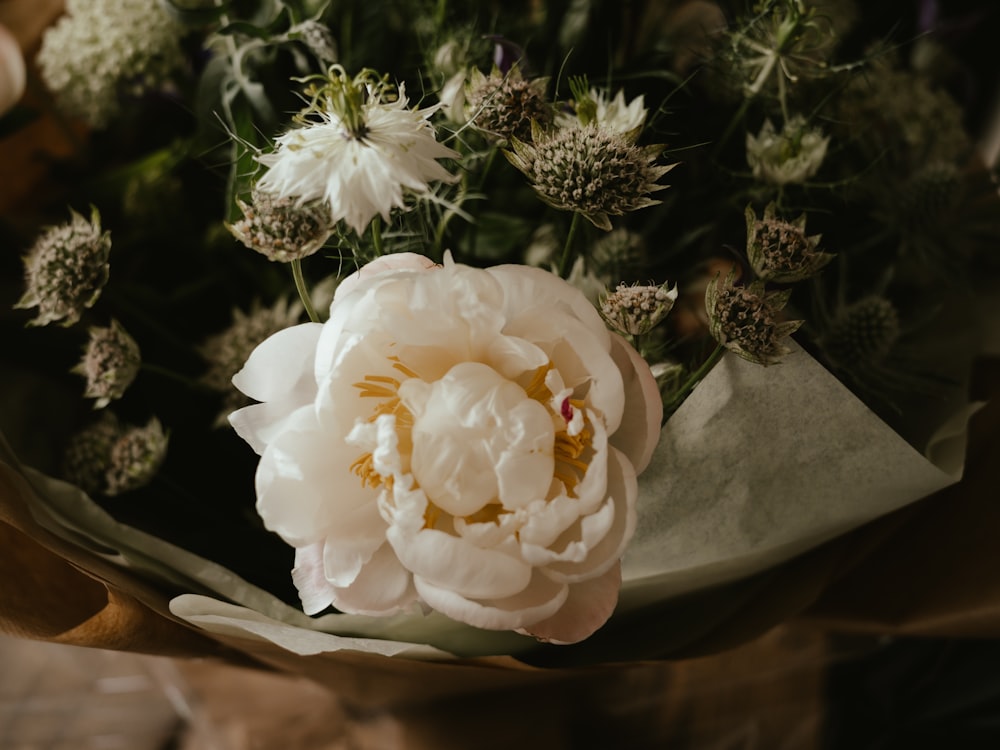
point(610, 114)
point(102, 49)
point(789, 157)
point(360, 170)
point(462, 438)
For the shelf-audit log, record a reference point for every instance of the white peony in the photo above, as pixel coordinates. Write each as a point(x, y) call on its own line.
point(363, 171)
point(460, 438)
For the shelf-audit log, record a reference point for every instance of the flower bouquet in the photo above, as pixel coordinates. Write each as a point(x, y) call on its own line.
point(370, 338)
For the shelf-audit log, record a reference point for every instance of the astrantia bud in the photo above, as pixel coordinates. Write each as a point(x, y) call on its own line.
point(504, 106)
point(136, 456)
point(88, 453)
point(779, 250)
point(862, 333)
point(66, 270)
point(635, 310)
point(282, 229)
point(746, 319)
point(110, 363)
point(590, 170)
point(789, 157)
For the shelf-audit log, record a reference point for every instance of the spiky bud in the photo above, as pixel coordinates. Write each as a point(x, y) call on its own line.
point(110, 363)
point(635, 310)
point(862, 333)
point(88, 454)
point(747, 321)
point(282, 229)
point(318, 38)
point(136, 457)
point(589, 170)
point(779, 250)
point(505, 106)
point(66, 270)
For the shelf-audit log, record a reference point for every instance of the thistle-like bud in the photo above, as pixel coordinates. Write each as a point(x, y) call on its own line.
point(862, 333)
point(280, 228)
point(136, 456)
point(779, 250)
point(590, 170)
point(228, 351)
point(505, 106)
point(789, 157)
point(88, 454)
point(110, 363)
point(66, 270)
point(635, 310)
point(746, 319)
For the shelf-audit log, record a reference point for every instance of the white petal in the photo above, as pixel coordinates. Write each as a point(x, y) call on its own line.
point(587, 608)
point(383, 587)
point(354, 536)
point(622, 492)
point(640, 428)
point(281, 366)
point(381, 265)
point(536, 602)
point(307, 575)
point(455, 564)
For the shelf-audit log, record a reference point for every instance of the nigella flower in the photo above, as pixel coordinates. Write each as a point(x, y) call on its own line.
point(358, 148)
point(66, 270)
point(746, 319)
point(789, 157)
point(110, 363)
point(227, 351)
point(779, 250)
point(591, 170)
point(593, 105)
point(282, 229)
point(102, 48)
point(505, 105)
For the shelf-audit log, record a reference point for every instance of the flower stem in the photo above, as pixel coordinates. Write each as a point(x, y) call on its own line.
point(376, 227)
point(300, 287)
point(568, 256)
point(692, 380)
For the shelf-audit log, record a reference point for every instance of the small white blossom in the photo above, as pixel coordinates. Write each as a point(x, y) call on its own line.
point(789, 157)
point(610, 114)
point(101, 49)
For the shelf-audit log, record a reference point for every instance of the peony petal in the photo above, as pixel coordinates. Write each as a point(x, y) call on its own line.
point(353, 539)
point(315, 592)
point(384, 587)
point(641, 422)
point(537, 602)
point(281, 366)
point(588, 606)
point(622, 492)
point(384, 264)
point(450, 562)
